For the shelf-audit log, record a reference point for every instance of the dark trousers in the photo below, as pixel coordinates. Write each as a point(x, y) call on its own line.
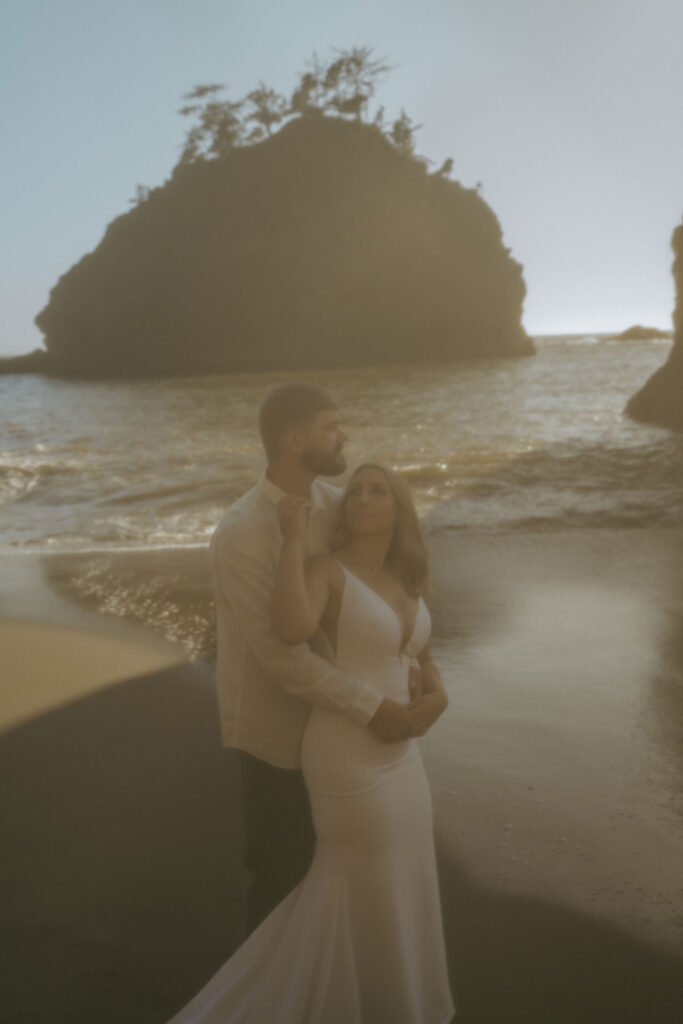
point(279, 833)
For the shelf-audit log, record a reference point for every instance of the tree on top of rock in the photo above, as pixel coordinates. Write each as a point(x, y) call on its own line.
point(342, 87)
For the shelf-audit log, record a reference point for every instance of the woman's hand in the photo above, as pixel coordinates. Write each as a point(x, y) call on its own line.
point(426, 710)
point(432, 700)
point(392, 722)
point(292, 512)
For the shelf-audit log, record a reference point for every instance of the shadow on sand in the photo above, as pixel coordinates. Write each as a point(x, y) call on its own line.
point(123, 890)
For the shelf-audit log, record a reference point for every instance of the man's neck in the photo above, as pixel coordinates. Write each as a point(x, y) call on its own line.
point(295, 479)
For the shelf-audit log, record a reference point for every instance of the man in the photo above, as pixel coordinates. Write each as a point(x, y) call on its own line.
point(265, 688)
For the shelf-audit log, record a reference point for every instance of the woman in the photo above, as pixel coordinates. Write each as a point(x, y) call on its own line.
point(360, 938)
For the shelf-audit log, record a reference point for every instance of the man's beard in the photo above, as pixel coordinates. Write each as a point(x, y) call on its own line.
point(324, 463)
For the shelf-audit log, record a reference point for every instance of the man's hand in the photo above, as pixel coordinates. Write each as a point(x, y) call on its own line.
point(426, 709)
point(392, 722)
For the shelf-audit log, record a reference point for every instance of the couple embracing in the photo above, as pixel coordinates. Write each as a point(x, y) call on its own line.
point(324, 681)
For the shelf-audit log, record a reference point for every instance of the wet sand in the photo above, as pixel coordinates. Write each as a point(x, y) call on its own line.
point(563, 654)
point(557, 778)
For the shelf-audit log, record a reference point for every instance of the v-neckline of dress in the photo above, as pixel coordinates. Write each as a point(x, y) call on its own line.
point(403, 646)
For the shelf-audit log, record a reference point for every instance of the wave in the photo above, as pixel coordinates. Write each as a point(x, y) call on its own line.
point(174, 495)
point(20, 475)
point(573, 486)
point(570, 485)
point(425, 473)
point(534, 444)
point(16, 484)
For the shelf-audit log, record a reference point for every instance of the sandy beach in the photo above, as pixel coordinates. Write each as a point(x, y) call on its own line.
point(557, 777)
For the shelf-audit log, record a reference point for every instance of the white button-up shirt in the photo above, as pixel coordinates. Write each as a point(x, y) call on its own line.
point(265, 687)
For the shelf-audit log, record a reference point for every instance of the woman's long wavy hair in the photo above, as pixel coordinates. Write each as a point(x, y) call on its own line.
point(407, 557)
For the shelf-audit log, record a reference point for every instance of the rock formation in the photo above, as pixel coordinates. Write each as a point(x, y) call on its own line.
point(322, 245)
point(660, 400)
point(640, 333)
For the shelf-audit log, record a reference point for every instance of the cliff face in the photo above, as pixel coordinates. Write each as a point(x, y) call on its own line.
point(660, 400)
point(321, 246)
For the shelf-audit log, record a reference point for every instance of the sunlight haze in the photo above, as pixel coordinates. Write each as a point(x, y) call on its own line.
point(566, 114)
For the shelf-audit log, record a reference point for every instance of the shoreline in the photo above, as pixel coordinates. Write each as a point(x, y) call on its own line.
point(557, 807)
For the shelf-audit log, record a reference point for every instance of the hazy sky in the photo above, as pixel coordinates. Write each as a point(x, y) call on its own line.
point(567, 111)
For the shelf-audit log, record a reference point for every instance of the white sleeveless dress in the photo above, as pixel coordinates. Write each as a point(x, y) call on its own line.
point(360, 939)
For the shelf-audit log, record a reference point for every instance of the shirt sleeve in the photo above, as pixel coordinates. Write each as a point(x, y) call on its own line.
point(244, 581)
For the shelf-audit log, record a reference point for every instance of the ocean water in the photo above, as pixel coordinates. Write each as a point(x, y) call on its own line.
point(534, 443)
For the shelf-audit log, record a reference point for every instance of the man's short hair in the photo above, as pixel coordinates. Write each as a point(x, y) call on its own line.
point(290, 407)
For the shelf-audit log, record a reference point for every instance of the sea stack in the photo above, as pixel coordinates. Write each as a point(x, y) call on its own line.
point(660, 400)
point(640, 333)
point(322, 245)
